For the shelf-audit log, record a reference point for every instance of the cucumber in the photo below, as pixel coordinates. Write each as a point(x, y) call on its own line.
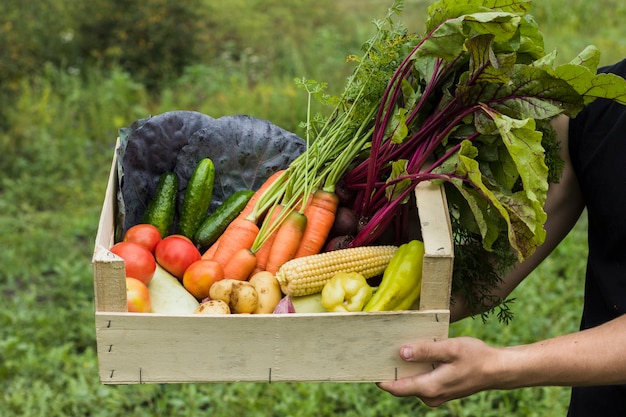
point(162, 207)
point(197, 198)
point(214, 225)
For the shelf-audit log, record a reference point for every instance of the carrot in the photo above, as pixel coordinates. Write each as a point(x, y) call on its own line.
point(210, 252)
point(286, 241)
point(251, 211)
point(263, 253)
point(239, 234)
point(251, 208)
point(240, 265)
point(320, 215)
point(300, 205)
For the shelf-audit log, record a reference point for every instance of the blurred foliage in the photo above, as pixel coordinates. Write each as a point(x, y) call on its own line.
point(152, 40)
point(31, 34)
point(72, 72)
point(155, 40)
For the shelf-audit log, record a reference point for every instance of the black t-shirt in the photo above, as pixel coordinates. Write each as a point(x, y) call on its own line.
point(597, 146)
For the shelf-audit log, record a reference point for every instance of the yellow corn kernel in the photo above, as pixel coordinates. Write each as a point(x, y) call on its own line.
point(308, 274)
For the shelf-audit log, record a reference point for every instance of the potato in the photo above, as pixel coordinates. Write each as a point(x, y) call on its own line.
point(268, 292)
point(244, 298)
point(241, 296)
point(221, 290)
point(213, 307)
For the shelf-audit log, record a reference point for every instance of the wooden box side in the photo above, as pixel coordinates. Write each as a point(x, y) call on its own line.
point(108, 269)
point(340, 347)
point(434, 219)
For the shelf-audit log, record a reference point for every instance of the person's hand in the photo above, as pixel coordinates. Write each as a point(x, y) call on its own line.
point(461, 366)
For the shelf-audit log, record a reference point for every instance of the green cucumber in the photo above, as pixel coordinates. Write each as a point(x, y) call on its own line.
point(197, 198)
point(162, 207)
point(214, 225)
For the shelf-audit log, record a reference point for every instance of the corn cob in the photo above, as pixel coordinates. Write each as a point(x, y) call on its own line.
point(308, 274)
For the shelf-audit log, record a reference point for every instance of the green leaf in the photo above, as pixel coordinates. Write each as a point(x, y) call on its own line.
point(411, 96)
point(523, 210)
point(442, 10)
point(398, 170)
point(448, 39)
point(479, 197)
point(497, 164)
point(523, 143)
point(531, 42)
point(581, 75)
point(398, 128)
point(485, 65)
point(531, 93)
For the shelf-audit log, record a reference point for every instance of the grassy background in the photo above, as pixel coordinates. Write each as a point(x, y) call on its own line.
point(57, 147)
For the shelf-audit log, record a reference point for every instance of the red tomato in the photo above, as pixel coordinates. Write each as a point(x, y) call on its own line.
point(200, 275)
point(138, 261)
point(183, 237)
point(137, 296)
point(175, 253)
point(146, 235)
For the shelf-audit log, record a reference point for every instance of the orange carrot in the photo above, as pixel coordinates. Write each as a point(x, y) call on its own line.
point(251, 205)
point(210, 252)
point(286, 241)
point(239, 234)
point(302, 203)
point(240, 265)
point(320, 215)
point(263, 253)
point(247, 211)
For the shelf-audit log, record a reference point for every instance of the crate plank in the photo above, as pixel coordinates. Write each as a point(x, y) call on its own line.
point(108, 269)
point(439, 250)
point(359, 347)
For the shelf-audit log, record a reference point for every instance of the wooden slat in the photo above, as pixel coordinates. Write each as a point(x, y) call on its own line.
point(108, 269)
point(359, 347)
point(439, 257)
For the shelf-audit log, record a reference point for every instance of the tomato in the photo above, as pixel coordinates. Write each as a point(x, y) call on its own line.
point(200, 275)
point(147, 235)
point(137, 296)
point(138, 261)
point(175, 253)
point(182, 237)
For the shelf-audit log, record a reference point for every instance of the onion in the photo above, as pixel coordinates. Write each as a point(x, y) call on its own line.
point(284, 306)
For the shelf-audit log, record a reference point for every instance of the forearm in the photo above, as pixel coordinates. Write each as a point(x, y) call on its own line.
point(591, 357)
point(463, 366)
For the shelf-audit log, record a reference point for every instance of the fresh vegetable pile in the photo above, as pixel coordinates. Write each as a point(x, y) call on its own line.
point(468, 103)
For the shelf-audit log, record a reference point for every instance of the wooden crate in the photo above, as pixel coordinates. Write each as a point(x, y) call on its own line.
point(342, 347)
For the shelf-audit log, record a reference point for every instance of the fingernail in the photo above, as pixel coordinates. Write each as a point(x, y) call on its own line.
point(405, 352)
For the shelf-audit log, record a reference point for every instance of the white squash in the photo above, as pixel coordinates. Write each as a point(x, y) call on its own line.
point(168, 296)
point(311, 303)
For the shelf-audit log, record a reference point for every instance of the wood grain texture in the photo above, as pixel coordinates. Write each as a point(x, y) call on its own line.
point(434, 219)
point(353, 347)
point(108, 269)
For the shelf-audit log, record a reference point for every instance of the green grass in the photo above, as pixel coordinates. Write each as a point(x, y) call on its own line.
point(60, 137)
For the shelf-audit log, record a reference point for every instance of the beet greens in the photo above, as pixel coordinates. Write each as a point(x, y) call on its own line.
point(468, 105)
